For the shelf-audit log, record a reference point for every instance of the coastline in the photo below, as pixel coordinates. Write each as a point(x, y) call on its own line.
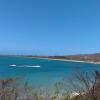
point(89, 62)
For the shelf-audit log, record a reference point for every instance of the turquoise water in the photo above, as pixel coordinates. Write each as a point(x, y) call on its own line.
point(41, 72)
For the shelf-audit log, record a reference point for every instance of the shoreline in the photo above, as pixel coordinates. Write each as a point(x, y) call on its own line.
point(89, 62)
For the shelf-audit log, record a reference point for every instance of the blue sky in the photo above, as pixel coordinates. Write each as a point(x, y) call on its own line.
point(49, 27)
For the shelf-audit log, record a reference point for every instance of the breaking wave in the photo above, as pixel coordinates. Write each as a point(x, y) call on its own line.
point(13, 65)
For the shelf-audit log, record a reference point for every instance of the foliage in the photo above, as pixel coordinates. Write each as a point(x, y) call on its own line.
point(83, 86)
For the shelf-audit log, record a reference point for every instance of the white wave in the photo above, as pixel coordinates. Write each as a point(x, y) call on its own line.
point(33, 66)
point(13, 65)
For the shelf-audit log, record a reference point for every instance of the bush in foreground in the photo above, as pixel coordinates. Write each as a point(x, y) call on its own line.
point(82, 87)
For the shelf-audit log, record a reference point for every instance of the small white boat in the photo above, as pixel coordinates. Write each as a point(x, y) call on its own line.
point(12, 65)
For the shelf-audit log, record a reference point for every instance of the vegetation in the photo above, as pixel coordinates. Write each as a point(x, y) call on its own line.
point(81, 57)
point(83, 86)
point(84, 57)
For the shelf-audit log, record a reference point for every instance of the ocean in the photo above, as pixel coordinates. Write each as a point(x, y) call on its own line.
point(42, 72)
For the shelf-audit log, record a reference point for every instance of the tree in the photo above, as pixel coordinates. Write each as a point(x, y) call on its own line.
point(86, 85)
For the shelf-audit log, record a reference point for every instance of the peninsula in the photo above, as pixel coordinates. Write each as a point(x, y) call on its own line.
point(93, 58)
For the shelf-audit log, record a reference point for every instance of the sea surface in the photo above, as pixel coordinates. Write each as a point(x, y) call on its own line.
point(41, 72)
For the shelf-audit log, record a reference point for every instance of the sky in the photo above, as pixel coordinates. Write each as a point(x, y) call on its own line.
point(49, 27)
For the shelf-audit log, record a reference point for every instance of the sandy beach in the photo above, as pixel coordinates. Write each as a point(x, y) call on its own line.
point(68, 60)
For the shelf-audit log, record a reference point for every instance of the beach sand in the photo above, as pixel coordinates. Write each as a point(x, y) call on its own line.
point(90, 62)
